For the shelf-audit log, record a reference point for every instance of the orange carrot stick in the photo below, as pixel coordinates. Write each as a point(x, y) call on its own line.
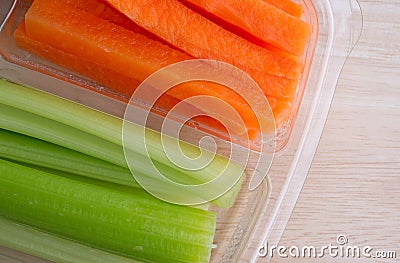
point(288, 6)
point(102, 9)
point(84, 35)
point(276, 87)
point(113, 47)
point(282, 110)
point(201, 38)
point(262, 20)
point(88, 68)
point(271, 85)
point(45, 20)
point(106, 77)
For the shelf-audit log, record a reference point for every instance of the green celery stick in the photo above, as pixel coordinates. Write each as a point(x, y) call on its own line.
point(90, 180)
point(18, 147)
point(52, 112)
point(131, 224)
point(43, 245)
point(61, 110)
point(18, 121)
point(102, 125)
point(81, 117)
point(25, 149)
point(24, 122)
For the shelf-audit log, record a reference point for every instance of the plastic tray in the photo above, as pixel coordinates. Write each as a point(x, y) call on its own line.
point(259, 214)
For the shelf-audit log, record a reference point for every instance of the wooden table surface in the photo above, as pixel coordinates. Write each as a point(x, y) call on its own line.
point(353, 187)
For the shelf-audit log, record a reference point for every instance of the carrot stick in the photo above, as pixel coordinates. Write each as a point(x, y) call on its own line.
point(113, 47)
point(59, 42)
point(271, 85)
point(282, 110)
point(288, 6)
point(88, 68)
point(262, 20)
point(201, 38)
point(104, 76)
point(84, 35)
point(103, 10)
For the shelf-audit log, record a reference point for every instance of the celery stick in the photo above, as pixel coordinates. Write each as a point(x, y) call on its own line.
point(131, 224)
point(100, 125)
point(61, 110)
point(26, 149)
point(24, 122)
point(40, 244)
point(33, 125)
point(90, 180)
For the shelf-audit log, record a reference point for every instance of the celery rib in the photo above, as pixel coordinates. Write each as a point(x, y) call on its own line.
point(19, 121)
point(95, 122)
point(43, 245)
point(131, 224)
point(28, 150)
point(21, 148)
point(59, 121)
point(58, 109)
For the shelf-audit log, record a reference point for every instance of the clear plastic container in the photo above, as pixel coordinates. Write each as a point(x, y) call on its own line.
point(259, 214)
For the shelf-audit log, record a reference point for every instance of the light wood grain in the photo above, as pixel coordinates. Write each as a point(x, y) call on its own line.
point(353, 187)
